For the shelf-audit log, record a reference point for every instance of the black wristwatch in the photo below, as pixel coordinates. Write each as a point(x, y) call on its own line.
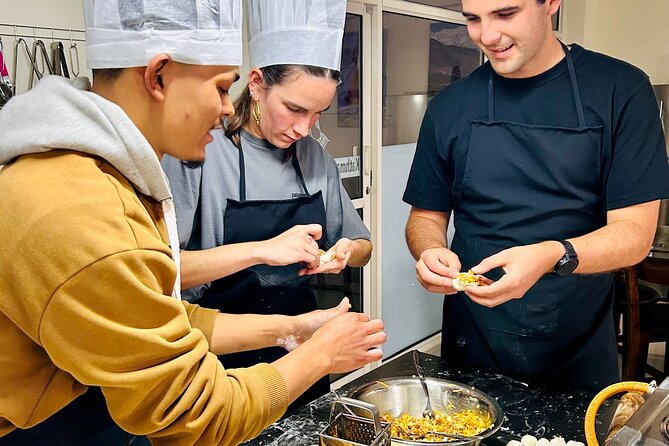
point(569, 261)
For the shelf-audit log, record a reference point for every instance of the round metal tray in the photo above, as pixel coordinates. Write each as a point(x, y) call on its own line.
point(399, 395)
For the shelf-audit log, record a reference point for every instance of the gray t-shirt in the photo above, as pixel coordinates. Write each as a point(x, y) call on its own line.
point(200, 192)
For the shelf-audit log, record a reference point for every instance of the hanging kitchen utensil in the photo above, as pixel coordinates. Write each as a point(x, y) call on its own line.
point(74, 57)
point(39, 47)
point(59, 60)
point(28, 54)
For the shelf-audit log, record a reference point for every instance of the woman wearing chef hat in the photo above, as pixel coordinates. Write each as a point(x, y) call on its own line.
point(253, 217)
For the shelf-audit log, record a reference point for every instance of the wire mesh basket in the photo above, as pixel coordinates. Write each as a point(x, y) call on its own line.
point(355, 423)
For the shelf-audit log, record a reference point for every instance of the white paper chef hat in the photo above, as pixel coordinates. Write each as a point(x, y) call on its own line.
point(128, 33)
point(300, 32)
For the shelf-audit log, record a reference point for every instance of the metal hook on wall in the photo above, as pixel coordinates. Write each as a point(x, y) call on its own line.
point(74, 55)
point(26, 49)
point(39, 43)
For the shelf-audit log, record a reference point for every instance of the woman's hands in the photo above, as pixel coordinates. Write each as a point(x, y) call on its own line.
point(342, 251)
point(296, 245)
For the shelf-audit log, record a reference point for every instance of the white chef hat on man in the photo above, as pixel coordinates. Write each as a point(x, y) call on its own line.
point(128, 33)
point(296, 32)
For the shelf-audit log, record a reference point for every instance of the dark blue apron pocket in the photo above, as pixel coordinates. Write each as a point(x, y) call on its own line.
point(536, 314)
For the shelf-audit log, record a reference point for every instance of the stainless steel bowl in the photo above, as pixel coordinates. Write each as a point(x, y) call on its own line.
point(399, 395)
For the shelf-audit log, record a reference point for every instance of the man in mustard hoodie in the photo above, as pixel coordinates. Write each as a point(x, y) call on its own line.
point(95, 341)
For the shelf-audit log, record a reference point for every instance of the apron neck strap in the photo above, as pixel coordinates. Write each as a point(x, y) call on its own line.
point(574, 87)
point(298, 169)
point(242, 172)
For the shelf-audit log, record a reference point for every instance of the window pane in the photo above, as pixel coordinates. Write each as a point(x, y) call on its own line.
point(340, 126)
point(421, 57)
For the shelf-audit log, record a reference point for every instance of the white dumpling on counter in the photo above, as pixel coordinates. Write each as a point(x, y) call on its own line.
point(543, 442)
point(529, 440)
point(558, 441)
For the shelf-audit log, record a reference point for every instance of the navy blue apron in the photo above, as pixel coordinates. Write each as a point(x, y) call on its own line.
point(523, 184)
point(83, 422)
point(264, 289)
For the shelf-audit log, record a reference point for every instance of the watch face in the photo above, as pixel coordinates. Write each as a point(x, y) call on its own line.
point(567, 267)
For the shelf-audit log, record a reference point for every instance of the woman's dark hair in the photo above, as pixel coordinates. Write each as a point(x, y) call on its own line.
point(272, 75)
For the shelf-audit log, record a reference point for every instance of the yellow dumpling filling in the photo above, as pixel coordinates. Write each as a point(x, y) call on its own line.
point(469, 278)
point(466, 422)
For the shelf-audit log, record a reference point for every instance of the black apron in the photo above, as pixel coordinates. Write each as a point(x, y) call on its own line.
point(83, 422)
point(264, 289)
point(523, 184)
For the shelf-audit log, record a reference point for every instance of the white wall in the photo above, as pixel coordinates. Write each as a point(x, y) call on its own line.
point(40, 13)
point(56, 13)
point(634, 31)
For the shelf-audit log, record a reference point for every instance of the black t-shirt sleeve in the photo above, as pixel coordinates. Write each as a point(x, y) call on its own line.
point(429, 185)
point(639, 171)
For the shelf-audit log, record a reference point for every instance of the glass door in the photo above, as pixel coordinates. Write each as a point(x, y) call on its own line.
point(424, 50)
point(343, 131)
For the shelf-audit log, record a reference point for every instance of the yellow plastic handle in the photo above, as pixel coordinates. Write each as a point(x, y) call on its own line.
point(598, 400)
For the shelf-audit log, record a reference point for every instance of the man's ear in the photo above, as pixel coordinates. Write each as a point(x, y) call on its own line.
point(256, 80)
point(154, 75)
point(553, 6)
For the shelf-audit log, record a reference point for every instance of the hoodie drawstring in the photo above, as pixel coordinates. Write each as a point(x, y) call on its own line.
point(171, 221)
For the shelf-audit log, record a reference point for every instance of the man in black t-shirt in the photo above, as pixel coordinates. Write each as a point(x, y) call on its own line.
point(552, 162)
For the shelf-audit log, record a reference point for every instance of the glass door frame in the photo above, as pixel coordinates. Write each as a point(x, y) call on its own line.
point(363, 203)
point(372, 112)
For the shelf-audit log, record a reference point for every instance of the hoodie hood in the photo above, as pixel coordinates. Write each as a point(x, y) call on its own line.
point(57, 114)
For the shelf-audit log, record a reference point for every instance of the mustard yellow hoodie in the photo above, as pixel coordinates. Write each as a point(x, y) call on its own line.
point(86, 279)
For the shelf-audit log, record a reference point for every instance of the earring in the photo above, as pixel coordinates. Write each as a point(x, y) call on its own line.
point(256, 110)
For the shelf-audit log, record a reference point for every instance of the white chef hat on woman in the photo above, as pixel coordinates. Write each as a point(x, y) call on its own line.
point(299, 32)
point(128, 33)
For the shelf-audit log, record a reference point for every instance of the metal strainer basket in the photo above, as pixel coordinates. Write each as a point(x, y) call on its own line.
point(355, 423)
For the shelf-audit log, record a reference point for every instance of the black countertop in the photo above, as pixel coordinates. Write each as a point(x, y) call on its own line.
point(540, 412)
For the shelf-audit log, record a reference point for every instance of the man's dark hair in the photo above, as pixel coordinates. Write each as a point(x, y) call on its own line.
point(106, 74)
